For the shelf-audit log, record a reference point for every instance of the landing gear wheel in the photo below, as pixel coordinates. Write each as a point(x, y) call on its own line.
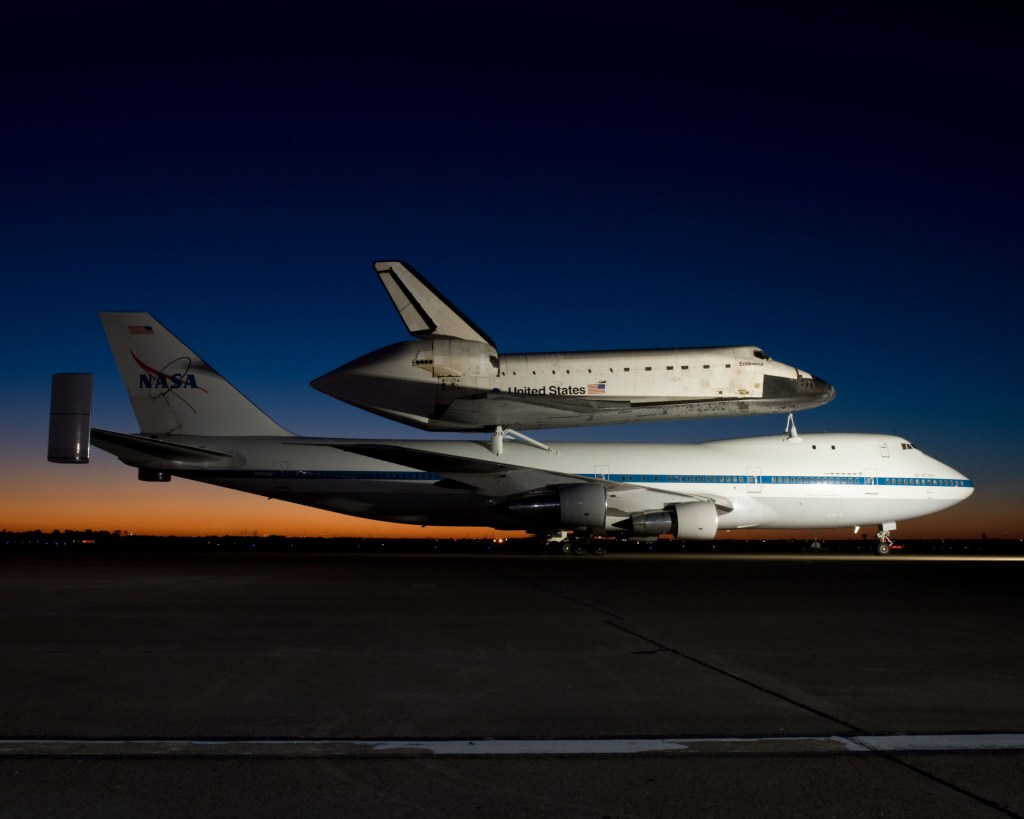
point(884, 542)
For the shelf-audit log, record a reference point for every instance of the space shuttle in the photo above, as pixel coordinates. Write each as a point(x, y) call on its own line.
point(452, 377)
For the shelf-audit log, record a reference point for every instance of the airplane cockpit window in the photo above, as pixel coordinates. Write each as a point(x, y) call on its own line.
point(761, 354)
point(907, 445)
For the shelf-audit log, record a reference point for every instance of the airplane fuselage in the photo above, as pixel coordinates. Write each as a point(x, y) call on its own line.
point(771, 482)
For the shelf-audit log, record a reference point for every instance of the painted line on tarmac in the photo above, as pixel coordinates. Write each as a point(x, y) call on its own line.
point(891, 744)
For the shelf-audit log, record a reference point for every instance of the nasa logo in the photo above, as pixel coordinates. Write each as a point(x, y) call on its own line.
point(151, 378)
point(162, 381)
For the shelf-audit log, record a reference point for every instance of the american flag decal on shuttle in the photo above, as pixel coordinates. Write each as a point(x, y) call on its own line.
point(595, 389)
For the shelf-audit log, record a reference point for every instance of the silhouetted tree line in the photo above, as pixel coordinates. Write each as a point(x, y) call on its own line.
point(87, 540)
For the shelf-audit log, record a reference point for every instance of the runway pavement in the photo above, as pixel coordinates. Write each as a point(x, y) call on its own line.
point(249, 684)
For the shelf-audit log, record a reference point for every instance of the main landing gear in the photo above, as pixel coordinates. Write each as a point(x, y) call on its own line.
point(569, 543)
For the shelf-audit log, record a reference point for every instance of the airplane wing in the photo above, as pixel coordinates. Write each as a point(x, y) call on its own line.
point(426, 313)
point(497, 479)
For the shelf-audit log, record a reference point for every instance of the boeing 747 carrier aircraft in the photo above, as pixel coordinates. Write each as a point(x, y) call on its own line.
point(452, 378)
point(193, 424)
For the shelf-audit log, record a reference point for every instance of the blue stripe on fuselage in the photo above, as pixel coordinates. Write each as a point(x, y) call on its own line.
point(618, 477)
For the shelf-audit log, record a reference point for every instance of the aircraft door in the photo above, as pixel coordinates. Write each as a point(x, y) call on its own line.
point(870, 482)
point(280, 474)
point(753, 480)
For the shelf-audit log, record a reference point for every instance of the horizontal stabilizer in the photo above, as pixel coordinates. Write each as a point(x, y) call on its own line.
point(129, 447)
point(426, 313)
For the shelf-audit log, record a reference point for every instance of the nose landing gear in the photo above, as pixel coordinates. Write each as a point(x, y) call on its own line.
point(885, 544)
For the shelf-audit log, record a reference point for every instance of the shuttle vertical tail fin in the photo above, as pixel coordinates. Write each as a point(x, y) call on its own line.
point(172, 390)
point(425, 311)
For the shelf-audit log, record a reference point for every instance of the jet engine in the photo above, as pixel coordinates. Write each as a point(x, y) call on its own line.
point(570, 506)
point(697, 520)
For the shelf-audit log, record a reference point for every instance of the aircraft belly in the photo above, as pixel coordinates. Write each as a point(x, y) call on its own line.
point(478, 414)
point(836, 511)
point(419, 500)
point(800, 513)
point(436, 507)
point(867, 511)
point(400, 398)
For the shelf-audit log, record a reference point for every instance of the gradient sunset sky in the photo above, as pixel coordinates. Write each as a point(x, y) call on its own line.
point(842, 190)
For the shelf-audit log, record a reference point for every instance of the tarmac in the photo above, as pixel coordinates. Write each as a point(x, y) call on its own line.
point(302, 684)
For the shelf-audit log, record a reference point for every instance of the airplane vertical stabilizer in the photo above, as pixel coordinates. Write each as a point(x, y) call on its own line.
point(172, 390)
point(426, 313)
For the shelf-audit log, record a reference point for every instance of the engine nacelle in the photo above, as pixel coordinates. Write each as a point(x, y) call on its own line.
point(689, 521)
point(571, 506)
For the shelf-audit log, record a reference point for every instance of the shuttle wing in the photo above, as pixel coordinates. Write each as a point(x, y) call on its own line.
point(426, 313)
point(499, 479)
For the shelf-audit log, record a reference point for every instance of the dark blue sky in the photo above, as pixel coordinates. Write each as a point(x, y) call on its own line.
point(844, 191)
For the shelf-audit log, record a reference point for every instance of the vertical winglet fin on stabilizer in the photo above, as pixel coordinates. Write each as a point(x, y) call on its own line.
point(426, 313)
point(172, 390)
point(70, 418)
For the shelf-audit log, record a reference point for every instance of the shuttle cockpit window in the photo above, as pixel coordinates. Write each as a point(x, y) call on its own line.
point(761, 354)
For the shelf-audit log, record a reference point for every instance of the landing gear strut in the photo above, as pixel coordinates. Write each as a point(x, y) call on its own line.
point(885, 544)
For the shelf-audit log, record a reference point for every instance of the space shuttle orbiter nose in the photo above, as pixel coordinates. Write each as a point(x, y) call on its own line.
point(806, 390)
